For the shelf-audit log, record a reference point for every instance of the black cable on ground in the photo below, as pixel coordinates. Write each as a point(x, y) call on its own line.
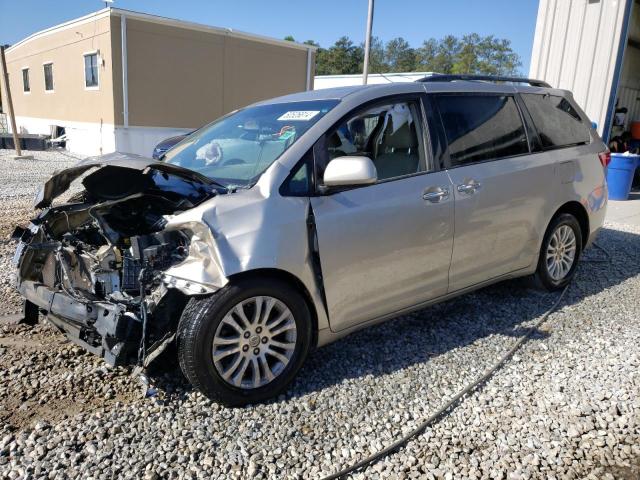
point(455, 400)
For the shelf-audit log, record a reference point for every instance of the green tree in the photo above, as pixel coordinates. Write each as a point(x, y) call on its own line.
point(343, 57)
point(289, 38)
point(467, 60)
point(472, 54)
point(377, 63)
point(487, 56)
point(426, 55)
point(497, 57)
point(438, 55)
point(399, 56)
point(322, 67)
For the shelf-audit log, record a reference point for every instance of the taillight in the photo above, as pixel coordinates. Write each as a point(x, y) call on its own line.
point(605, 158)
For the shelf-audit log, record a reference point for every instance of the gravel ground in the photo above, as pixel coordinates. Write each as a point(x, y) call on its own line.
point(19, 182)
point(567, 406)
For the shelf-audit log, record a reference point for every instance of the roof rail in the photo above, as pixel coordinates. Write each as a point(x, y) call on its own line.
point(485, 78)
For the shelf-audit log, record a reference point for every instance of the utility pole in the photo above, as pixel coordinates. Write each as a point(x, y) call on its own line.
point(12, 117)
point(367, 44)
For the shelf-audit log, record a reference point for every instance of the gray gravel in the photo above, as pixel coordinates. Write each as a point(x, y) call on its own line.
point(19, 182)
point(567, 406)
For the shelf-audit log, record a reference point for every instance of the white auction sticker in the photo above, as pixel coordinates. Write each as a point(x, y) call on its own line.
point(299, 115)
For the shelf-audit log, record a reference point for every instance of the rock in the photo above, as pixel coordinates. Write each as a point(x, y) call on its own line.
point(573, 432)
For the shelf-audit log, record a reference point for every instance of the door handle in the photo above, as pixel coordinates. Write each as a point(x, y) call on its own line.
point(436, 195)
point(469, 187)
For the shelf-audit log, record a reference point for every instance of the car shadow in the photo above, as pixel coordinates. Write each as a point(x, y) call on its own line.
point(507, 308)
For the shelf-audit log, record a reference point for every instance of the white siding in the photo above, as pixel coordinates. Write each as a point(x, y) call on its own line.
point(83, 138)
point(629, 89)
point(330, 81)
point(576, 47)
point(89, 139)
point(142, 140)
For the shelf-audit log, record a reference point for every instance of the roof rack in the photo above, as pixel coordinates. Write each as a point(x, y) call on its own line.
point(485, 78)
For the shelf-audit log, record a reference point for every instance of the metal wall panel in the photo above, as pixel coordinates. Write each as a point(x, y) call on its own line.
point(629, 87)
point(576, 48)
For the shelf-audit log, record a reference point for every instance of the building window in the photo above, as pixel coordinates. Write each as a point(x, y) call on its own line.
point(48, 77)
point(91, 70)
point(26, 88)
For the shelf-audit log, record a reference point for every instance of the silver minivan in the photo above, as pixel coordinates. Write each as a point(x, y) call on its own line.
point(290, 223)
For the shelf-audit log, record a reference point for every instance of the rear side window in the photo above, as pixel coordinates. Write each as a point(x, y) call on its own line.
point(557, 122)
point(481, 127)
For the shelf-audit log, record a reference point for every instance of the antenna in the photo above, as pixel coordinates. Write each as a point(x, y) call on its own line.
point(108, 3)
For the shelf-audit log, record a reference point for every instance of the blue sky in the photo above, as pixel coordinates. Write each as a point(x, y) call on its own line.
point(323, 21)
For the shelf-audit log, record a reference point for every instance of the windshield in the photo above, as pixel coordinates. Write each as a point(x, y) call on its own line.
point(237, 148)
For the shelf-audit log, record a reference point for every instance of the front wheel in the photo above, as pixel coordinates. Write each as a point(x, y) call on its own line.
point(560, 252)
point(245, 343)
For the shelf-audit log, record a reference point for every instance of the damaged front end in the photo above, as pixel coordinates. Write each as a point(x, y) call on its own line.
point(100, 266)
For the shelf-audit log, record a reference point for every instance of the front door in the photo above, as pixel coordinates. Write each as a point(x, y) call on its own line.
point(387, 246)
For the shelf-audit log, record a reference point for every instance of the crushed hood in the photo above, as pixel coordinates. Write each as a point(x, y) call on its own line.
point(136, 164)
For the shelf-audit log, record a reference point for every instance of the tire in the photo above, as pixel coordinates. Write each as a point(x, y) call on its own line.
point(546, 277)
point(206, 319)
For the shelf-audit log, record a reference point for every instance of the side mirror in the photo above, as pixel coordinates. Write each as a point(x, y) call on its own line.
point(350, 171)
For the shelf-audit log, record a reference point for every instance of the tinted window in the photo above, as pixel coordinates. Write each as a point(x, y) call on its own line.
point(48, 76)
point(557, 122)
point(481, 127)
point(91, 70)
point(388, 134)
point(25, 80)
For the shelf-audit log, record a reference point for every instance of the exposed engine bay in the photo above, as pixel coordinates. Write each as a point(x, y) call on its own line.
point(96, 264)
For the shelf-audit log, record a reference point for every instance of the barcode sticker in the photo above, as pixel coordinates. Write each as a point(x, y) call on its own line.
point(299, 115)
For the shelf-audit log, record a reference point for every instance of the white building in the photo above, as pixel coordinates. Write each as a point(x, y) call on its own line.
point(591, 47)
point(329, 81)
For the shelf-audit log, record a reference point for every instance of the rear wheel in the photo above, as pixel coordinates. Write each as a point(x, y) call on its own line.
point(560, 252)
point(245, 343)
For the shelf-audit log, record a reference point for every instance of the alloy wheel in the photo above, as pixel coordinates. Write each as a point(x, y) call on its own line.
point(561, 252)
point(254, 342)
